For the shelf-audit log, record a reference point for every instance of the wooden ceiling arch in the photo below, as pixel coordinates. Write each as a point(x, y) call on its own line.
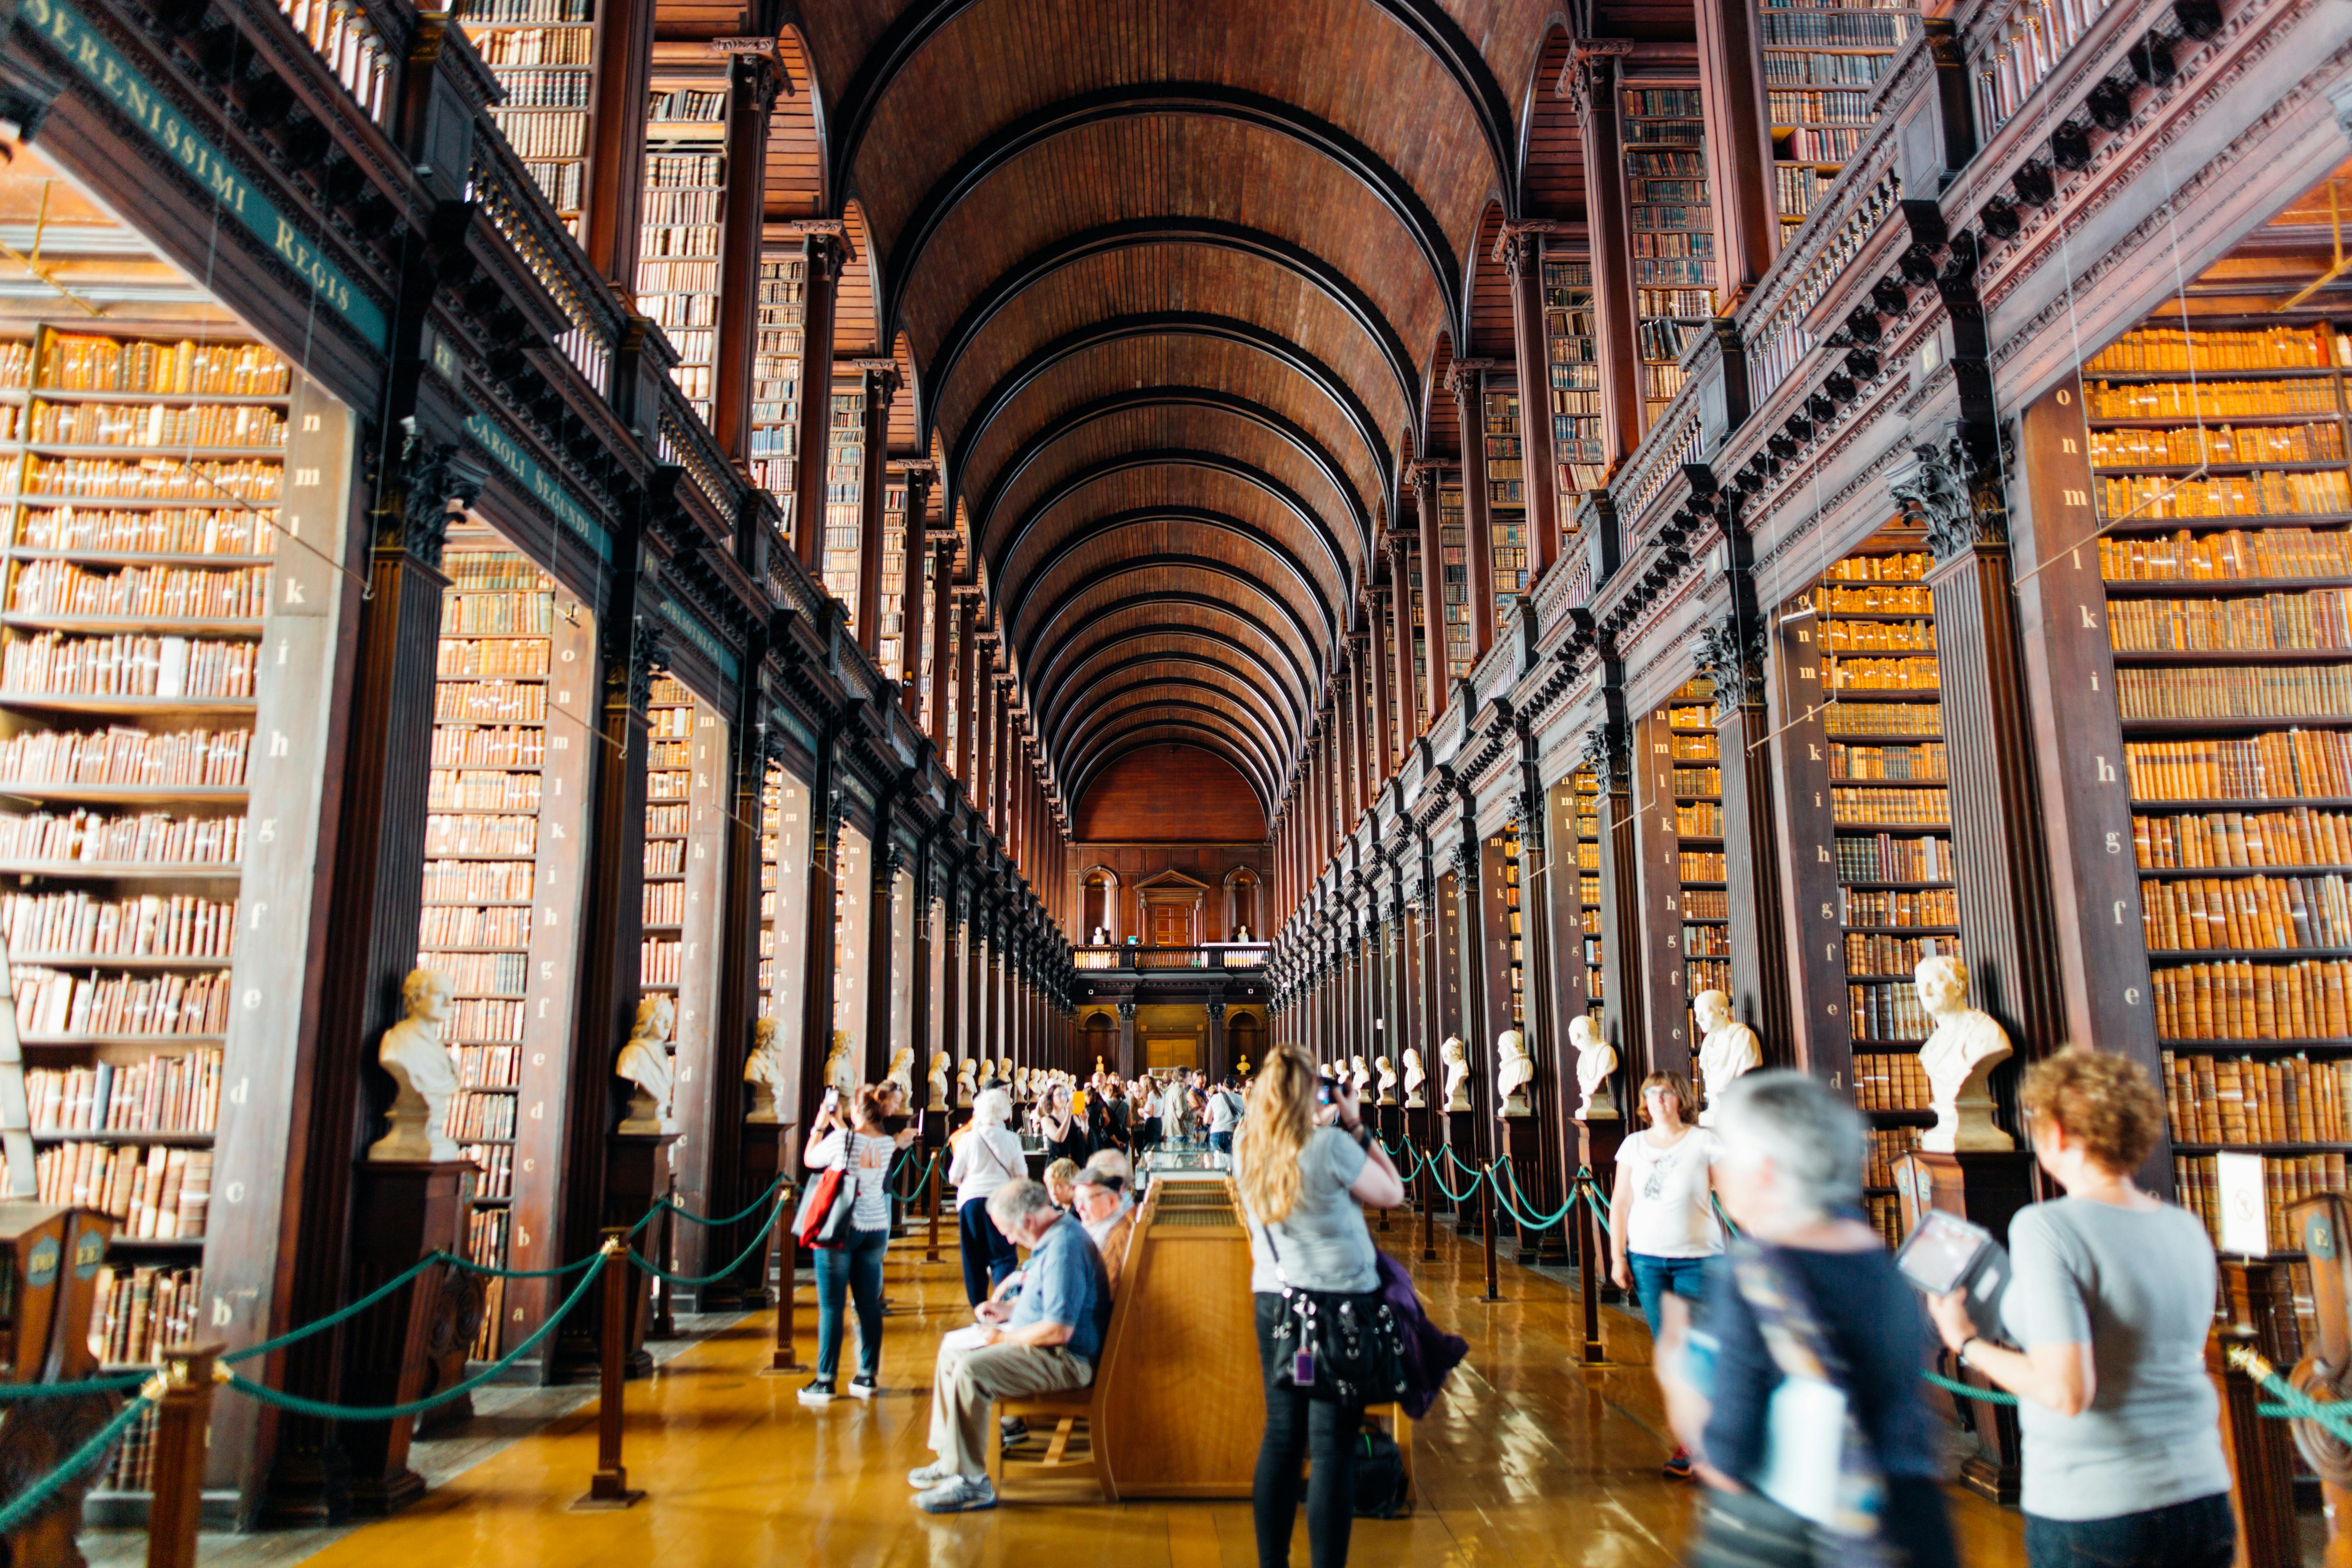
point(1156, 686)
point(1172, 643)
point(1194, 618)
point(1124, 675)
point(1177, 573)
point(1109, 726)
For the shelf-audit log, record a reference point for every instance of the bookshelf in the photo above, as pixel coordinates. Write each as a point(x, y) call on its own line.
point(1821, 62)
point(2218, 466)
point(1588, 877)
point(1573, 355)
point(687, 811)
point(1697, 756)
point(844, 467)
point(890, 645)
point(1455, 541)
point(1673, 228)
point(1507, 498)
point(680, 222)
point(1418, 607)
point(543, 54)
point(776, 378)
point(1513, 929)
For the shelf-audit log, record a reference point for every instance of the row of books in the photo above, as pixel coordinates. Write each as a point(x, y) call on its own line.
point(660, 209)
point(2230, 838)
point(665, 857)
point(1893, 567)
point(177, 1094)
point(1887, 1145)
point(128, 665)
point(1690, 304)
point(1707, 942)
point(2214, 1100)
point(1699, 903)
point(2270, 492)
point(1672, 242)
point(2238, 999)
point(492, 656)
point(1885, 1216)
point(490, 701)
point(1798, 108)
point(76, 362)
point(523, 614)
point(1847, 717)
point(1890, 1081)
point(495, 1177)
point(108, 839)
point(1850, 674)
point(535, 135)
point(1706, 975)
point(122, 755)
point(1824, 143)
point(1924, 908)
point(1702, 866)
point(1885, 1011)
point(1876, 599)
point(154, 478)
point(2190, 914)
point(141, 1310)
point(2208, 348)
point(698, 242)
point(2221, 444)
point(2196, 1181)
point(665, 821)
point(159, 1194)
point(466, 789)
point(155, 425)
point(1786, 67)
point(488, 1066)
point(2320, 620)
point(54, 1002)
point(159, 531)
point(473, 833)
point(664, 903)
point(63, 588)
point(1699, 819)
point(1892, 859)
point(481, 974)
point(1911, 762)
point(474, 1118)
point(461, 925)
point(1655, 271)
point(164, 925)
point(1841, 28)
point(1877, 637)
point(1688, 748)
point(2209, 399)
point(2281, 692)
point(658, 960)
point(1796, 187)
point(565, 87)
point(2268, 553)
point(1866, 954)
point(1890, 807)
point(2282, 764)
point(478, 882)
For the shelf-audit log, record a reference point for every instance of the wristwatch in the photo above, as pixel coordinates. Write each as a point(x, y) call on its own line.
point(1961, 1355)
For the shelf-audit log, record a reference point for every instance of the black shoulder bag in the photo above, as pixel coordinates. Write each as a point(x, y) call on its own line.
point(1343, 1346)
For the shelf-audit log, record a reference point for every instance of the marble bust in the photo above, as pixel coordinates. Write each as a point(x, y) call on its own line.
point(644, 1062)
point(1514, 1070)
point(902, 1071)
point(840, 1068)
point(939, 1099)
point(764, 1071)
point(965, 1086)
point(1004, 1072)
point(1413, 1078)
point(1021, 1091)
point(1360, 1077)
point(1726, 1049)
point(1596, 1058)
point(1387, 1080)
point(1958, 1058)
point(1456, 1058)
point(423, 1075)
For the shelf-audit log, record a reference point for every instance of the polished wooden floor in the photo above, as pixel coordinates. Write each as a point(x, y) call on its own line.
point(1526, 1459)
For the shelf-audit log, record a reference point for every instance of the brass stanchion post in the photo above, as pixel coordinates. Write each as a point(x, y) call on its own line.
point(1588, 1274)
point(785, 1358)
point(931, 1245)
point(183, 1410)
point(1428, 1216)
point(1487, 1222)
point(610, 1488)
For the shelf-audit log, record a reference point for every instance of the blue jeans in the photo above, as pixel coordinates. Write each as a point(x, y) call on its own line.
point(2199, 1533)
point(1654, 1278)
point(1222, 1142)
point(988, 1257)
point(855, 1271)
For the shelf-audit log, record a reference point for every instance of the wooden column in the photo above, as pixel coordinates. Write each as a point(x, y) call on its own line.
point(623, 45)
point(1348, 707)
point(1519, 248)
point(1660, 939)
point(977, 1040)
point(1432, 593)
point(1609, 752)
point(1383, 691)
point(942, 607)
point(881, 947)
point(753, 82)
point(1408, 685)
point(1738, 148)
point(827, 253)
point(1551, 893)
point(880, 383)
point(1590, 80)
point(1731, 652)
point(914, 625)
point(1822, 1034)
point(1468, 380)
point(967, 701)
point(2000, 857)
point(737, 1001)
point(953, 1038)
point(978, 786)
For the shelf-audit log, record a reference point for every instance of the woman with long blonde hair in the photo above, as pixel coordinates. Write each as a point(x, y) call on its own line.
point(1305, 1170)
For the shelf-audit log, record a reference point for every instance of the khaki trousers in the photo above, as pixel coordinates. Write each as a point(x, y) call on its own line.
point(966, 1382)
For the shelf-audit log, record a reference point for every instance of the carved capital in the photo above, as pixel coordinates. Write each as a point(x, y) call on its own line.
point(1955, 495)
point(1465, 377)
point(1732, 656)
point(629, 672)
point(1217, 1011)
point(415, 516)
point(1126, 1012)
point(1519, 247)
point(828, 253)
point(1606, 756)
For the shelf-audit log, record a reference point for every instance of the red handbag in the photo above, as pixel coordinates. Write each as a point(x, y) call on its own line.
point(813, 1224)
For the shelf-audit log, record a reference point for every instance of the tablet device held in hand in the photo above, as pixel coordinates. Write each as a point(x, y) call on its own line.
point(1946, 1253)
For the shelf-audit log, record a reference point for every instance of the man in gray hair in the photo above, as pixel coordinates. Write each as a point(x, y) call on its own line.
point(1047, 1338)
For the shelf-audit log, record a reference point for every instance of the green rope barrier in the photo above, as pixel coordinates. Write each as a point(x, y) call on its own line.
point(1451, 1195)
point(295, 1336)
point(742, 1258)
point(34, 1497)
point(757, 1204)
point(1968, 1391)
point(1528, 1220)
point(325, 1412)
point(470, 1267)
point(2292, 1402)
point(1594, 1196)
point(115, 1385)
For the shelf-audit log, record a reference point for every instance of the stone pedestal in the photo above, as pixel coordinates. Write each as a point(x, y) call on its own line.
point(763, 1157)
point(1390, 1121)
point(1987, 1189)
point(636, 1171)
point(1596, 1151)
point(1462, 1137)
point(1523, 1139)
point(401, 1211)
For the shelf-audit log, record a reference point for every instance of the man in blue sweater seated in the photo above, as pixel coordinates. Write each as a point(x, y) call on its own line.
point(1043, 1340)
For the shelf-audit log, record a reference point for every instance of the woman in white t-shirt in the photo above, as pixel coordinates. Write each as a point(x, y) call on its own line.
point(1662, 1223)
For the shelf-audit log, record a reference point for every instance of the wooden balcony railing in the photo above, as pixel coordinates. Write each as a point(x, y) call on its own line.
point(1209, 955)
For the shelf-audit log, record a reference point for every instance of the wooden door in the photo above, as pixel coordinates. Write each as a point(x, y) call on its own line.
point(1171, 925)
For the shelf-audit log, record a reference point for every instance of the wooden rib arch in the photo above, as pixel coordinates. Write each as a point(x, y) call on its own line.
point(1168, 709)
point(1027, 641)
point(1164, 694)
point(1039, 663)
point(1148, 669)
point(1049, 693)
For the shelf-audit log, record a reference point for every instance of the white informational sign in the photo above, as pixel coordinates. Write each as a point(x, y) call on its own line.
point(2245, 1212)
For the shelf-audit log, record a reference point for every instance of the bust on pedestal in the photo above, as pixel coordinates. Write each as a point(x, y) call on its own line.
point(644, 1062)
point(1413, 1078)
point(1457, 1073)
point(1958, 1060)
point(1514, 1070)
point(965, 1085)
point(902, 1072)
point(841, 1067)
point(938, 1100)
point(764, 1071)
point(423, 1077)
point(1596, 1058)
point(1728, 1049)
point(1360, 1077)
point(1387, 1080)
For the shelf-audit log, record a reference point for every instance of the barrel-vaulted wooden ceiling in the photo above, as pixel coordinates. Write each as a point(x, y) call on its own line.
point(1171, 280)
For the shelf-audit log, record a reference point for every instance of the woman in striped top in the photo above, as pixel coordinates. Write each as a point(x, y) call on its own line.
point(863, 1151)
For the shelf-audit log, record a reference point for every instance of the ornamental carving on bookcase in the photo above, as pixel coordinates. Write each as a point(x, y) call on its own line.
point(1608, 758)
point(1953, 490)
point(630, 673)
point(1731, 655)
point(415, 514)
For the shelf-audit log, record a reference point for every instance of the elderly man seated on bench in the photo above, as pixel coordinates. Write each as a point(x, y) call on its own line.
point(1046, 1338)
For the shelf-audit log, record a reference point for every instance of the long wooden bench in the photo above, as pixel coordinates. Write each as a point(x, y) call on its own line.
point(1177, 1407)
